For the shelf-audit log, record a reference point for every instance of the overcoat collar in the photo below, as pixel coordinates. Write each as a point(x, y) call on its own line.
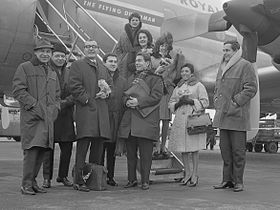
point(94, 64)
point(234, 59)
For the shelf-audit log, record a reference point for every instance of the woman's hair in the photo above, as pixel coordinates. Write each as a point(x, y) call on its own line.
point(145, 55)
point(190, 66)
point(148, 34)
point(234, 44)
point(134, 14)
point(165, 38)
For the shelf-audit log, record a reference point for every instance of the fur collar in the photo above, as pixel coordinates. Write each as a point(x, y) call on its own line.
point(191, 81)
point(234, 59)
point(129, 33)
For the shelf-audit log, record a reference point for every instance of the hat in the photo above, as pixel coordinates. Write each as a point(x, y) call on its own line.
point(58, 47)
point(42, 43)
point(134, 14)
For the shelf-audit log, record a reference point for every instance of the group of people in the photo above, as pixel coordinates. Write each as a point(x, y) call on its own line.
point(117, 104)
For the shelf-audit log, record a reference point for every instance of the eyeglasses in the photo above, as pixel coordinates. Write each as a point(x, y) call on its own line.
point(91, 46)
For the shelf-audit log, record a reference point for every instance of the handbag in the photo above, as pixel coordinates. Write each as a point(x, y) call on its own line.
point(198, 123)
point(141, 90)
point(94, 176)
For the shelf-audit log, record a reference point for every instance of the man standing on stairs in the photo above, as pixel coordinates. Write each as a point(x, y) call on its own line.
point(92, 117)
point(64, 133)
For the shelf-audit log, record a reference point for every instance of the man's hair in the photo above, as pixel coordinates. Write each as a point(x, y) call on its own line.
point(145, 55)
point(105, 57)
point(234, 44)
point(190, 66)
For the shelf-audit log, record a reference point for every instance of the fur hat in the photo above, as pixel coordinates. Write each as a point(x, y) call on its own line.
point(42, 43)
point(134, 14)
point(58, 47)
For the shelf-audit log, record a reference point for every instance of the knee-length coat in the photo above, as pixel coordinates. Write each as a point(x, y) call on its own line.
point(92, 118)
point(64, 124)
point(179, 140)
point(126, 48)
point(237, 83)
point(37, 89)
point(133, 122)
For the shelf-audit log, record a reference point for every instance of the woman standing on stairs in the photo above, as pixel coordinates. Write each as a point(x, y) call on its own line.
point(189, 97)
point(127, 43)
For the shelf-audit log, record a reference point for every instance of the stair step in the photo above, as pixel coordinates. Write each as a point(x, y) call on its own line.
point(163, 163)
point(162, 171)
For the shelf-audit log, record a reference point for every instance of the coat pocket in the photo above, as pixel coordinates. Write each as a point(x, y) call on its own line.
point(234, 110)
point(37, 112)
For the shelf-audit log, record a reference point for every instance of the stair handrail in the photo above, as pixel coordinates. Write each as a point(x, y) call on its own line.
point(81, 29)
point(93, 19)
point(66, 21)
point(55, 34)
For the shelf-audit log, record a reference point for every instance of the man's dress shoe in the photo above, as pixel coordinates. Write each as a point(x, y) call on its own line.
point(238, 188)
point(81, 187)
point(27, 191)
point(224, 185)
point(112, 182)
point(46, 183)
point(131, 184)
point(38, 189)
point(145, 186)
point(64, 181)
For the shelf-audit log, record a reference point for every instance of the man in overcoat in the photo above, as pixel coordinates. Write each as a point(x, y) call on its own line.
point(36, 87)
point(92, 118)
point(236, 85)
point(116, 109)
point(64, 133)
point(141, 131)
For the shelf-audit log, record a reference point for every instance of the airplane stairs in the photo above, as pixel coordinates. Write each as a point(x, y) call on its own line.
point(65, 29)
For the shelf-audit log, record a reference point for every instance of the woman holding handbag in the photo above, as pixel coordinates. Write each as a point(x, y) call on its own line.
point(188, 98)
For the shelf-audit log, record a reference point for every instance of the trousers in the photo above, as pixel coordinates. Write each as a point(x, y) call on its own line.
point(95, 155)
point(233, 151)
point(32, 161)
point(64, 161)
point(109, 147)
point(145, 151)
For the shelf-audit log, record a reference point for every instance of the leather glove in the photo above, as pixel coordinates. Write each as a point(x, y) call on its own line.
point(186, 100)
point(178, 104)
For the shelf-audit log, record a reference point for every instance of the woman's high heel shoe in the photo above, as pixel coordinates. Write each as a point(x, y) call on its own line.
point(185, 182)
point(193, 184)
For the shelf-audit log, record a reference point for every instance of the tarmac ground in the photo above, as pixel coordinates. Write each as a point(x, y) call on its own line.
point(262, 187)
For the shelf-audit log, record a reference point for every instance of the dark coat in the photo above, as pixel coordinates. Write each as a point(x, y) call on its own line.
point(238, 83)
point(64, 125)
point(133, 122)
point(115, 103)
point(127, 45)
point(92, 118)
point(37, 89)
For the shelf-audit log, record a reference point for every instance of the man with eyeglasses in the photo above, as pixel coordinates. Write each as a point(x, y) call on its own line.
point(64, 133)
point(92, 117)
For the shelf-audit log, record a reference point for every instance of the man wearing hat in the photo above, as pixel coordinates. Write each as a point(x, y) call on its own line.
point(36, 87)
point(64, 133)
point(126, 46)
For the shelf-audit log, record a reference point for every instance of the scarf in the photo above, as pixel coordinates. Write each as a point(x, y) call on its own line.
point(190, 81)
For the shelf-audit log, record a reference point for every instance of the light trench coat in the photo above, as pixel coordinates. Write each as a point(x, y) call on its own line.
point(179, 140)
